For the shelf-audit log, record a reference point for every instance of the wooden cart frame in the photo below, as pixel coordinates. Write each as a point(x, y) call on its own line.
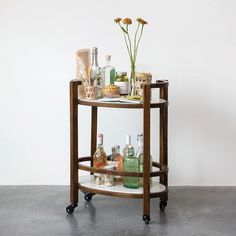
point(162, 165)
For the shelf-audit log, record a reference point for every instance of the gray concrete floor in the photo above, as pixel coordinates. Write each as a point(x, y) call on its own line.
point(40, 210)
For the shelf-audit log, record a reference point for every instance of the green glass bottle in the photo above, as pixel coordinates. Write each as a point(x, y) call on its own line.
point(131, 164)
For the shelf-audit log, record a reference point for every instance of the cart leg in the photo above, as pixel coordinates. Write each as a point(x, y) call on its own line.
point(146, 161)
point(73, 147)
point(164, 145)
point(94, 111)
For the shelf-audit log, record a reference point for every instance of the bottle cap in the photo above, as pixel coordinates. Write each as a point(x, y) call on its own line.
point(118, 149)
point(113, 150)
point(94, 49)
point(108, 57)
point(128, 139)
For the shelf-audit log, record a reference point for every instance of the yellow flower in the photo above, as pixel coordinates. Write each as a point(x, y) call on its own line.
point(127, 21)
point(117, 20)
point(141, 21)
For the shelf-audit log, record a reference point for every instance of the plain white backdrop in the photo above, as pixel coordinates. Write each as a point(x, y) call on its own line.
point(192, 43)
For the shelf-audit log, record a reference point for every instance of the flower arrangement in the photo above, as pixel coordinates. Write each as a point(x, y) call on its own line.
point(132, 48)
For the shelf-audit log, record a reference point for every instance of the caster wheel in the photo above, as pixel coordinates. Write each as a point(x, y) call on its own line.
point(70, 208)
point(163, 205)
point(146, 219)
point(88, 196)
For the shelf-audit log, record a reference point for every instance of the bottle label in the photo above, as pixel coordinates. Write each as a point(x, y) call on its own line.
point(123, 86)
point(100, 139)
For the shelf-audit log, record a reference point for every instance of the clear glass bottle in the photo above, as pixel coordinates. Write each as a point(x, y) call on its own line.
point(99, 157)
point(108, 72)
point(94, 69)
point(123, 82)
point(131, 164)
point(98, 82)
point(128, 144)
point(139, 154)
point(118, 159)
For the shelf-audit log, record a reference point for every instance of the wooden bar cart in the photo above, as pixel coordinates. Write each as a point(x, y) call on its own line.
point(85, 183)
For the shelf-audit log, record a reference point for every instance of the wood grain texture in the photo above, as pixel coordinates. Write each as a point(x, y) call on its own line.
point(146, 151)
point(120, 194)
point(163, 169)
point(94, 111)
point(95, 103)
point(164, 135)
point(74, 141)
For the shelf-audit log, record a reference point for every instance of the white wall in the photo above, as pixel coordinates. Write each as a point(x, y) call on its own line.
point(190, 43)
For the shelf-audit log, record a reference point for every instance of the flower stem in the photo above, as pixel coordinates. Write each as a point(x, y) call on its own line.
point(135, 38)
point(130, 45)
point(136, 50)
point(130, 55)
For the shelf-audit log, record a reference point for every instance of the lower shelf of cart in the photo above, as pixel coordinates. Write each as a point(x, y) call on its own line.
point(86, 185)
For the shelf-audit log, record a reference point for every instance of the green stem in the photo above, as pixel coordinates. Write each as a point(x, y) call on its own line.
point(136, 50)
point(130, 45)
point(126, 42)
point(135, 38)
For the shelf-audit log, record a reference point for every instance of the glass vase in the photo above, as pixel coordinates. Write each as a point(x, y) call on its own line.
point(132, 80)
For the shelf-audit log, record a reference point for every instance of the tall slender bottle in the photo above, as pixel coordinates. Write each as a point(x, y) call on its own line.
point(127, 144)
point(108, 72)
point(140, 156)
point(131, 164)
point(94, 69)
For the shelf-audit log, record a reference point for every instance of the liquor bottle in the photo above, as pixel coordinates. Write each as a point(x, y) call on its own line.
point(139, 154)
point(98, 82)
point(131, 164)
point(108, 72)
point(94, 70)
point(112, 155)
point(128, 143)
point(99, 157)
point(118, 159)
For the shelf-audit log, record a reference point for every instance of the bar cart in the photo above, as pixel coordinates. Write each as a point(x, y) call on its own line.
point(86, 185)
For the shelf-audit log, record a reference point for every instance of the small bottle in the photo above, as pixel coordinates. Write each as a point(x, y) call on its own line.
point(128, 144)
point(118, 159)
point(98, 82)
point(108, 72)
point(94, 69)
point(112, 155)
point(139, 154)
point(131, 164)
point(123, 82)
point(99, 157)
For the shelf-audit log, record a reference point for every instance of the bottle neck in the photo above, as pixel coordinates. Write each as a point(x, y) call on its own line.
point(108, 62)
point(100, 142)
point(95, 59)
point(140, 148)
point(130, 151)
point(128, 140)
point(118, 151)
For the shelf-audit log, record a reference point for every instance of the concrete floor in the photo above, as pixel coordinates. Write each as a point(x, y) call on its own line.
point(40, 210)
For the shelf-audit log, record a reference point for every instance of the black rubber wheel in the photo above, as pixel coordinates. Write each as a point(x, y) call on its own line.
point(146, 219)
point(70, 208)
point(88, 196)
point(162, 205)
